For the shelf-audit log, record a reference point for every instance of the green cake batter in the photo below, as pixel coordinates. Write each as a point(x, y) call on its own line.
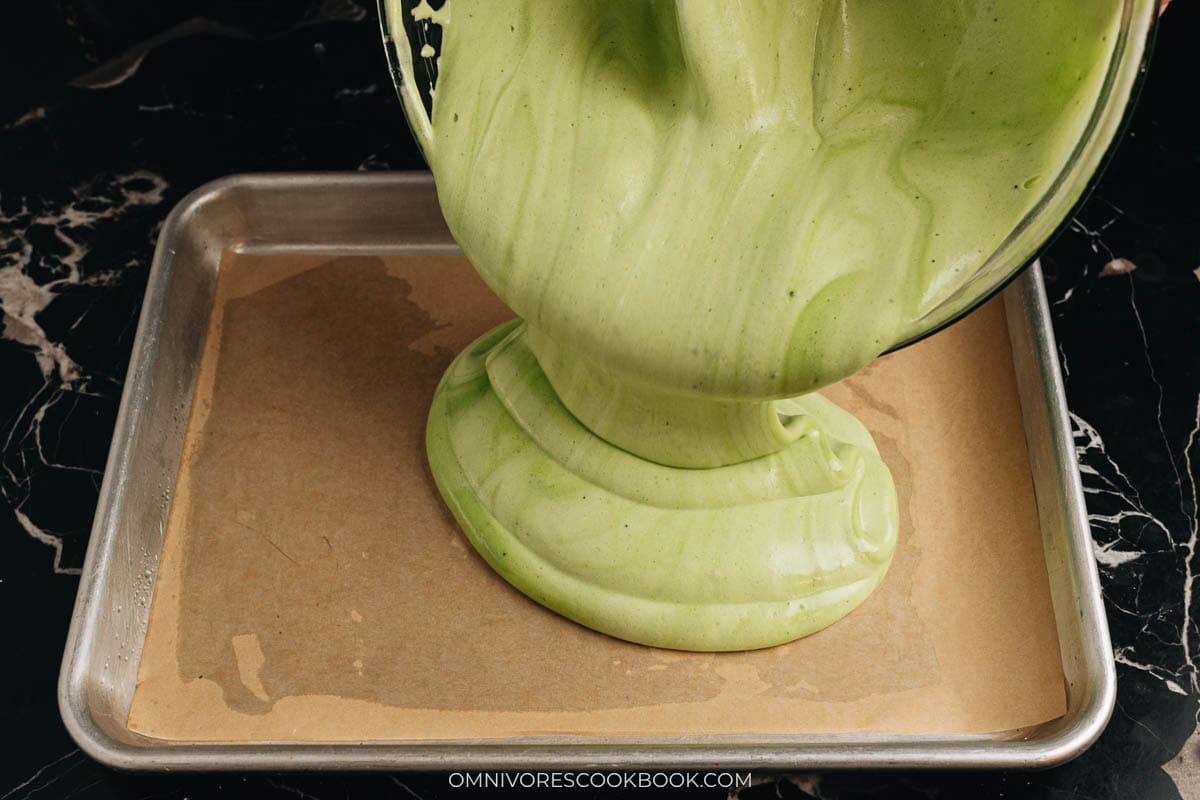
point(704, 211)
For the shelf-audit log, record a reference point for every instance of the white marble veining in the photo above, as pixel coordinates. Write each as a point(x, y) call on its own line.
point(30, 280)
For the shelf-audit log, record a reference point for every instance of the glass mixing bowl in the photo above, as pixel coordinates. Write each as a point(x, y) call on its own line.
point(409, 37)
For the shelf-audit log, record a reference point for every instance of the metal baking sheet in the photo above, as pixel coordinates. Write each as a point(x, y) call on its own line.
point(397, 213)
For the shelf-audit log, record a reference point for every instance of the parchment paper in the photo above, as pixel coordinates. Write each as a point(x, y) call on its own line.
point(313, 587)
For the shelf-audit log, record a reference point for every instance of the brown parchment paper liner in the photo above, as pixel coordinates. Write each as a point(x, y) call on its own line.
point(313, 587)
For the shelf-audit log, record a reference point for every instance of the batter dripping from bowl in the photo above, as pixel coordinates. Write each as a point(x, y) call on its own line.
point(703, 213)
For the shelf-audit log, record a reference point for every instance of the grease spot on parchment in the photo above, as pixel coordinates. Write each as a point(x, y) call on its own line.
point(248, 654)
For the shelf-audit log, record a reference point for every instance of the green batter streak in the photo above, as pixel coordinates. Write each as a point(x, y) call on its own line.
point(704, 210)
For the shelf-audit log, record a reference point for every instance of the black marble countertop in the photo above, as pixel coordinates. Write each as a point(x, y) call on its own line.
point(111, 111)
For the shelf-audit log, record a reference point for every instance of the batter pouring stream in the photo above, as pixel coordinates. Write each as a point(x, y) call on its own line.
point(704, 212)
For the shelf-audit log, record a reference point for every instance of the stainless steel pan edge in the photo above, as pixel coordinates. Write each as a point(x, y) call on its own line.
point(397, 212)
point(1088, 664)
